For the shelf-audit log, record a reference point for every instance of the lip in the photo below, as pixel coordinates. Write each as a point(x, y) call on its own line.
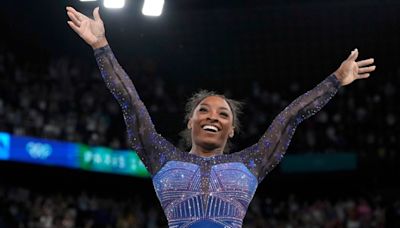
point(214, 125)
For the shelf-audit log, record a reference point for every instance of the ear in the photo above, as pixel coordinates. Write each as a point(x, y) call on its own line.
point(190, 124)
point(232, 133)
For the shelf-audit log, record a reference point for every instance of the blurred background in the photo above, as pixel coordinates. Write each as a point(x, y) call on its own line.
point(341, 169)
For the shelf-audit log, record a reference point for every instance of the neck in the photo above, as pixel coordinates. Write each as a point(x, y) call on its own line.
point(203, 152)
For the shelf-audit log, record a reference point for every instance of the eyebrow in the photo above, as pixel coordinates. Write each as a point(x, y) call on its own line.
point(205, 104)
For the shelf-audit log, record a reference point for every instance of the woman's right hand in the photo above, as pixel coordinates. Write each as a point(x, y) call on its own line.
point(90, 30)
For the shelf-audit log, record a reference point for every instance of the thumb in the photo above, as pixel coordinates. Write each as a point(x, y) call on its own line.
point(354, 55)
point(96, 14)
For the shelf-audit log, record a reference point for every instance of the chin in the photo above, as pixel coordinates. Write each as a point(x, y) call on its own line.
point(210, 144)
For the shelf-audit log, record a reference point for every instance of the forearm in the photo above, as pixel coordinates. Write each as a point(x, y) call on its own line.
point(116, 79)
point(315, 99)
point(137, 119)
point(275, 141)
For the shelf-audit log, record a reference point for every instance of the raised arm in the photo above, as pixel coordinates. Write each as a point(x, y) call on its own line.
point(142, 135)
point(262, 157)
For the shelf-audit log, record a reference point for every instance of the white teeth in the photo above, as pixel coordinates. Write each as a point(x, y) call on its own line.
point(210, 127)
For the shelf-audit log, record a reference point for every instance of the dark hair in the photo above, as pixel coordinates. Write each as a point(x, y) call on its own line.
point(194, 101)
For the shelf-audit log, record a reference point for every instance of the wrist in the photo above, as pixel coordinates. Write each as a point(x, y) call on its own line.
point(339, 76)
point(102, 42)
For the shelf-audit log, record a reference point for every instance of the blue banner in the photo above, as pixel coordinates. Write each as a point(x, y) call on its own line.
point(4, 146)
point(41, 151)
point(70, 155)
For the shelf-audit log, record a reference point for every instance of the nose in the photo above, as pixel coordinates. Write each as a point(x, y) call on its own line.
point(213, 116)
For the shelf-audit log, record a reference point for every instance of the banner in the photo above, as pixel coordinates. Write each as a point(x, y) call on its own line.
point(71, 155)
point(41, 151)
point(102, 159)
point(4, 146)
point(317, 162)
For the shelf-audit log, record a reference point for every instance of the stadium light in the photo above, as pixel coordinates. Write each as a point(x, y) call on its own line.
point(87, 0)
point(152, 7)
point(114, 4)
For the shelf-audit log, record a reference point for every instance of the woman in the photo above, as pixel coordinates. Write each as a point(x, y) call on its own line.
point(206, 188)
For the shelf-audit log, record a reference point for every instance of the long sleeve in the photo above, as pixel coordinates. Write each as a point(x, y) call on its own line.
point(263, 156)
point(151, 147)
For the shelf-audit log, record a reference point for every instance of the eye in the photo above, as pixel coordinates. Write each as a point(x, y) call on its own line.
point(224, 114)
point(202, 109)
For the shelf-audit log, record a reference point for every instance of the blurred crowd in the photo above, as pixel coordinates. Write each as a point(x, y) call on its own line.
point(66, 99)
point(21, 207)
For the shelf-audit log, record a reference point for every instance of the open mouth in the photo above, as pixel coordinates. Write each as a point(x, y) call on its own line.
point(210, 128)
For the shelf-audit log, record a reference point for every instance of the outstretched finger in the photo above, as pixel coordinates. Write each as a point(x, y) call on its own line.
point(365, 62)
point(71, 10)
point(74, 19)
point(77, 14)
point(366, 75)
point(96, 14)
point(74, 27)
point(366, 69)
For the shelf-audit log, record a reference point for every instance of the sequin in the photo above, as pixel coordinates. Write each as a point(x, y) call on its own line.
point(206, 192)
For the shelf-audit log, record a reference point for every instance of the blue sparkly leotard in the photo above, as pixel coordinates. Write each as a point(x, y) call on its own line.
point(199, 192)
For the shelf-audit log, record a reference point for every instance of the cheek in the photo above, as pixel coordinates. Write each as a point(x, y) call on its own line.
point(228, 127)
point(193, 121)
point(195, 127)
point(228, 123)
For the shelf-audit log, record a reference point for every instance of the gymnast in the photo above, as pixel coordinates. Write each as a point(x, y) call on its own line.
point(206, 187)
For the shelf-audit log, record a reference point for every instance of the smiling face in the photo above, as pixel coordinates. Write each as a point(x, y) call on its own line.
point(211, 124)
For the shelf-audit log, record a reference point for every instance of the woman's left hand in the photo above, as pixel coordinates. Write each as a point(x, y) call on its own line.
point(350, 69)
